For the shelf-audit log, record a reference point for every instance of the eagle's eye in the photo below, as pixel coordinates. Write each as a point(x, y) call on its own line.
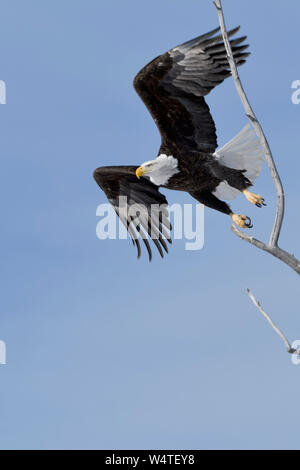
point(148, 167)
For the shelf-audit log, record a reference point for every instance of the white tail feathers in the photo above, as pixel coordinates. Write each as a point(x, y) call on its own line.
point(243, 152)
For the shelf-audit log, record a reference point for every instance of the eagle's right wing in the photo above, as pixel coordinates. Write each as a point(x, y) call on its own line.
point(174, 84)
point(139, 204)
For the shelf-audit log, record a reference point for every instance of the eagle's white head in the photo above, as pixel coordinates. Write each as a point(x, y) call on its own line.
point(159, 170)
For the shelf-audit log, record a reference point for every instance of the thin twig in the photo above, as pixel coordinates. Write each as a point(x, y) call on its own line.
point(275, 328)
point(279, 253)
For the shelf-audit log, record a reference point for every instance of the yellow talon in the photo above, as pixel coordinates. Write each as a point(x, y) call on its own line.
point(241, 220)
point(254, 198)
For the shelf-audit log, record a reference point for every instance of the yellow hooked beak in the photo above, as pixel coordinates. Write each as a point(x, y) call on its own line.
point(140, 172)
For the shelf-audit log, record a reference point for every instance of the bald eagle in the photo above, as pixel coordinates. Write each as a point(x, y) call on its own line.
point(173, 87)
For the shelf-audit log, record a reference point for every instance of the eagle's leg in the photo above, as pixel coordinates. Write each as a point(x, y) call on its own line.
point(254, 198)
point(237, 180)
point(209, 200)
point(241, 220)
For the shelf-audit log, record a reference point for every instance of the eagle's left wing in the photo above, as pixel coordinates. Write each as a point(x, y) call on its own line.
point(174, 84)
point(139, 204)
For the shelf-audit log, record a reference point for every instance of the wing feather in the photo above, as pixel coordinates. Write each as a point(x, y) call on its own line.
point(174, 84)
point(139, 205)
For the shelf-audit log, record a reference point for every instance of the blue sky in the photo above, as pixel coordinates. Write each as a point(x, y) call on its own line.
point(104, 351)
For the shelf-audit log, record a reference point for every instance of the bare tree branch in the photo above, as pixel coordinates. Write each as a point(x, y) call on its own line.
point(272, 246)
point(275, 328)
point(258, 129)
point(279, 253)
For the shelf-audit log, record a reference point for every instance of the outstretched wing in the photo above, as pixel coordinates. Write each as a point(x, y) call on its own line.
point(139, 204)
point(174, 84)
